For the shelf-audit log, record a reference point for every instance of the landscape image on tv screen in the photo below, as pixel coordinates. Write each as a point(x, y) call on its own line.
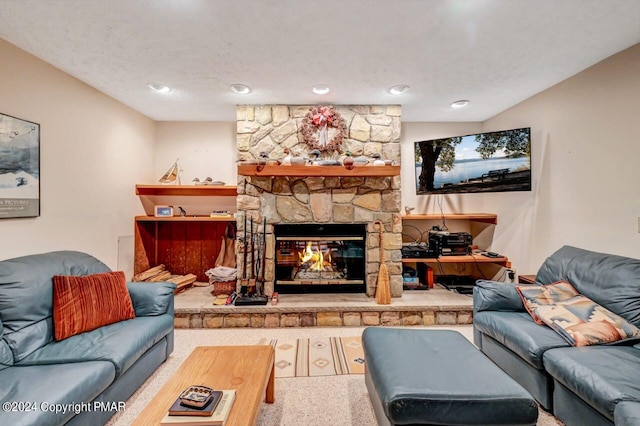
point(484, 162)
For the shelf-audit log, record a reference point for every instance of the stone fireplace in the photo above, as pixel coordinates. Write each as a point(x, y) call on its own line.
point(290, 202)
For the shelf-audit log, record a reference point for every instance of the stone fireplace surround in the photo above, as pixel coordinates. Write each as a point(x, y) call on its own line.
point(345, 199)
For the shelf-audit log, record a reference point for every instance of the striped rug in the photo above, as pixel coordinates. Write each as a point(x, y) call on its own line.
point(319, 356)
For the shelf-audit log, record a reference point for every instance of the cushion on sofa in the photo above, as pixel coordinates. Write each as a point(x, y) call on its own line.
point(496, 296)
point(600, 375)
point(85, 303)
point(610, 280)
point(518, 332)
point(26, 295)
point(121, 343)
point(49, 385)
point(534, 296)
point(151, 300)
point(582, 322)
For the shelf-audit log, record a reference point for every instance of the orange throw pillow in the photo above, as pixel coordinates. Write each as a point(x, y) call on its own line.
point(84, 303)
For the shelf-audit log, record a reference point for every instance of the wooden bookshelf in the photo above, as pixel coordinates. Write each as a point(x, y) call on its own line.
point(474, 217)
point(188, 190)
point(185, 244)
point(472, 258)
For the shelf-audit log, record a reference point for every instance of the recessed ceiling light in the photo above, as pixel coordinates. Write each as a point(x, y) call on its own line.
point(398, 89)
point(320, 89)
point(241, 89)
point(159, 88)
point(460, 104)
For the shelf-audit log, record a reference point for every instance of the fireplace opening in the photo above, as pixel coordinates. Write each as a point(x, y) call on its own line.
point(311, 258)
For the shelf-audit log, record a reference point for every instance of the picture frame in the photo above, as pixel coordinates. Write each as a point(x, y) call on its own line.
point(163, 211)
point(19, 168)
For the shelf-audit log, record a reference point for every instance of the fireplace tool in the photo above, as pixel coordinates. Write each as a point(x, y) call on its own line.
point(244, 282)
point(262, 255)
point(252, 278)
point(245, 298)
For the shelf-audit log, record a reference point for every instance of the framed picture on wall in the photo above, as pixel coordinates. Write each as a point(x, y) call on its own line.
point(19, 168)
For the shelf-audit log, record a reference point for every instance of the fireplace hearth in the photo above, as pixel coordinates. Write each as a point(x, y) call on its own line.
point(314, 258)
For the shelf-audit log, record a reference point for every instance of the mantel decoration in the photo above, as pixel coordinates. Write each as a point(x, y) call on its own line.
point(318, 120)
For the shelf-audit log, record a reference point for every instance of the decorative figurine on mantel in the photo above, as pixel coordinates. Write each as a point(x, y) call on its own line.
point(314, 154)
point(286, 161)
point(348, 161)
point(172, 175)
point(377, 160)
point(361, 161)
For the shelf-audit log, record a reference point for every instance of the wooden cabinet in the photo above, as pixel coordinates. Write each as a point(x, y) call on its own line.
point(526, 279)
point(479, 225)
point(185, 245)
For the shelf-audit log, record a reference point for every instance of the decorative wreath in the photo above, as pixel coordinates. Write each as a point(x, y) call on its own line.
point(319, 119)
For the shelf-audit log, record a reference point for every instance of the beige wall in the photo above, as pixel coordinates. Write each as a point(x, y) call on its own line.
point(585, 168)
point(204, 149)
point(93, 150)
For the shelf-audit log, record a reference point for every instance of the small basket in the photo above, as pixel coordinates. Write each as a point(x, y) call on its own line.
point(223, 287)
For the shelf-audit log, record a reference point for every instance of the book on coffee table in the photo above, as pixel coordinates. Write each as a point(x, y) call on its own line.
point(217, 418)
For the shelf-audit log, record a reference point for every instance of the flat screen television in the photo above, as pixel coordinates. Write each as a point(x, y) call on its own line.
point(483, 162)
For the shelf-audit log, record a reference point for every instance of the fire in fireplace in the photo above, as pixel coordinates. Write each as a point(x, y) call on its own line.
point(314, 258)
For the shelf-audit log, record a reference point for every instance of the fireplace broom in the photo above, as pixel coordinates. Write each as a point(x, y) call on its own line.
point(383, 288)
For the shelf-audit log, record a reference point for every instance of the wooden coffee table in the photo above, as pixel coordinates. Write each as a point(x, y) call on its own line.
point(248, 369)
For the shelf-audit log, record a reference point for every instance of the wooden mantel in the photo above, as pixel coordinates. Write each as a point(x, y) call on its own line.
point(317, 171)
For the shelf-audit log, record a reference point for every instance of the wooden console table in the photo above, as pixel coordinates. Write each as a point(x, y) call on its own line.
point(247, 369)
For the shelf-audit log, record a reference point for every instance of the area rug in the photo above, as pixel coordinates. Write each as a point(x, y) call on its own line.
point(318, 356)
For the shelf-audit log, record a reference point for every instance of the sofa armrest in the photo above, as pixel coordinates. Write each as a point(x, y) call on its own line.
point(496, 296)
point(627, 413)
point(151, 299)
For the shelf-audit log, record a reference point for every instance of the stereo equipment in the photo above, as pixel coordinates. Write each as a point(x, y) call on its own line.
point(450, 243)
point(417, 251)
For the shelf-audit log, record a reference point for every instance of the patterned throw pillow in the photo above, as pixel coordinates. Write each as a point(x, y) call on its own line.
point(583, 322)
point(84, 303)
point(534, 296)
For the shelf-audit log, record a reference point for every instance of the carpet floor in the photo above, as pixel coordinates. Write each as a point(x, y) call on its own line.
point(340, 400)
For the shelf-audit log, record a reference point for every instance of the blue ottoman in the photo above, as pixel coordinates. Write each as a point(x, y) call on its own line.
point(438, 377)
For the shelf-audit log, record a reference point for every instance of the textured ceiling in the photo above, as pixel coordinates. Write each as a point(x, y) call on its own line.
point(495, 53)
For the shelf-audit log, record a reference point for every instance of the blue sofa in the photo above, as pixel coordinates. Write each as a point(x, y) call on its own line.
point(83, 379)
point(589, 385)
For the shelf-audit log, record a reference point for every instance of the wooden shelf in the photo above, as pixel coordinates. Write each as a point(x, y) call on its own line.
point(473, 258)
point(188, 190)
point(184, 219)
point(476, 217)
point(318, 171)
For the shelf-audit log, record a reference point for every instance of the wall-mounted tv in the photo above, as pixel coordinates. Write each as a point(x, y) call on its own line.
point(484, 162)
